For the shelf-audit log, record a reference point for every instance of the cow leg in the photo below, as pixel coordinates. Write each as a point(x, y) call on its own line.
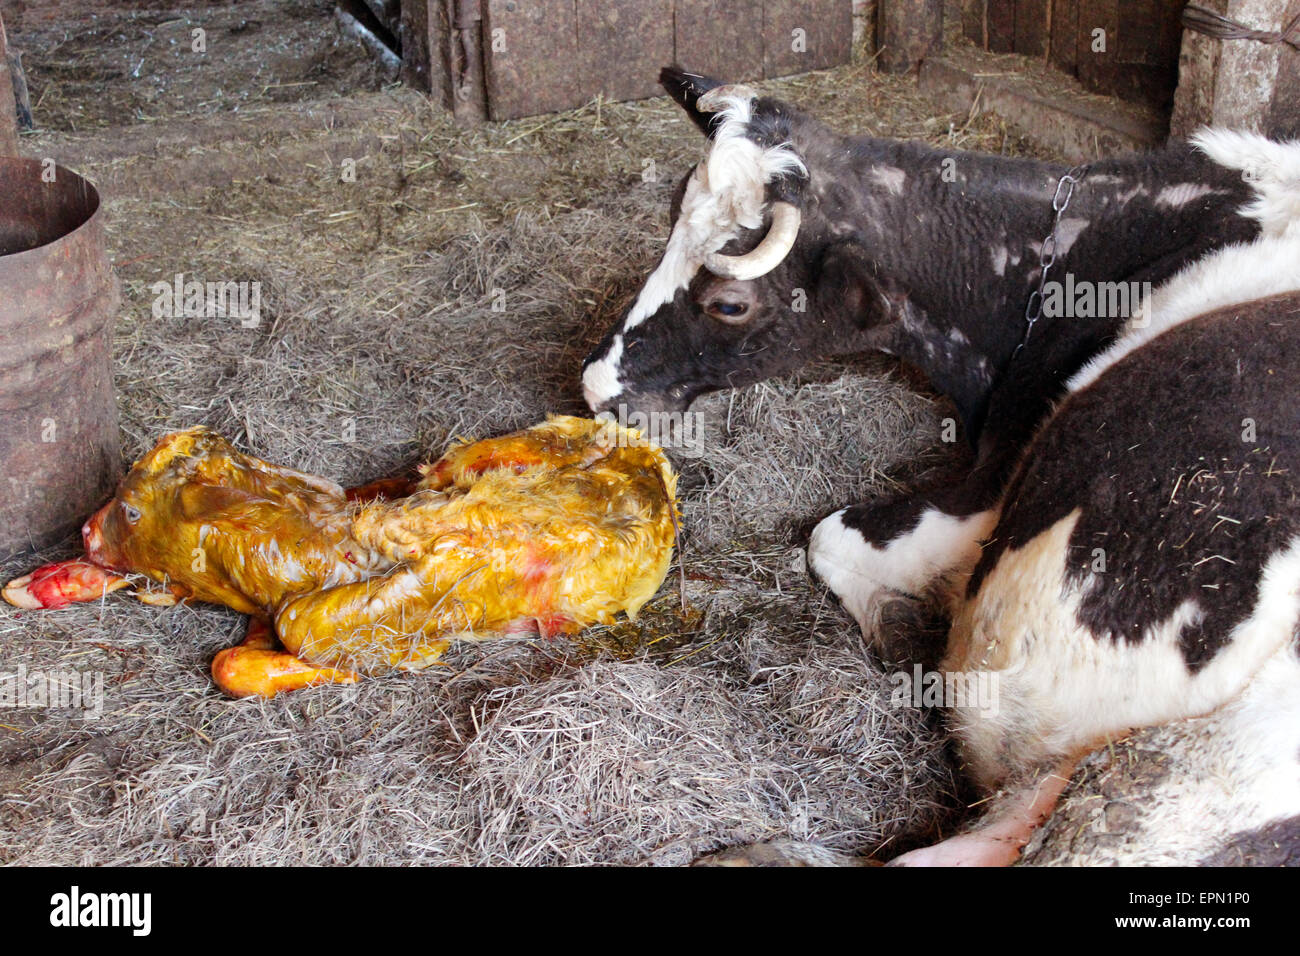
point(1000, 837)
point(870, 554)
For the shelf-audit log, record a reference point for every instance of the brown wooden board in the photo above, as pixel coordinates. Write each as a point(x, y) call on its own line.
point(1031, 27)
point(531, 57)
point(1140, 62)
point(722, 39)
point(1002, 25)
point(8, 111)
point(1065, 34)
point(623, 43)
point(1284, 114)
point(826, 40)
point(907, 31)
point(1142, 31)
point(972, 21)
point(1097, 68)
point(540, 56)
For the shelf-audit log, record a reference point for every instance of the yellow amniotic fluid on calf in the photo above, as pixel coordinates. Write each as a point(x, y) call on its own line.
point(556, 527)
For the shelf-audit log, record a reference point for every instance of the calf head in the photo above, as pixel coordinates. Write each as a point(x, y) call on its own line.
point(754, 280)
point(176, 512)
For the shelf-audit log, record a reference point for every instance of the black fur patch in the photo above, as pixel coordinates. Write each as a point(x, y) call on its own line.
point(880, 523)
point(930, 254)
point(1277, 844)
point(1177, 503)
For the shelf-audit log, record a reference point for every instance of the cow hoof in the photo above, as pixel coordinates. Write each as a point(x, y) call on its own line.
point(781, 853)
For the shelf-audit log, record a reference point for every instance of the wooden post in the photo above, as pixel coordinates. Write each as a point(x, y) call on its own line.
point(907, 32)
point(464, 41)
point(8, 111)
point(1240, 84)
point(426, 47)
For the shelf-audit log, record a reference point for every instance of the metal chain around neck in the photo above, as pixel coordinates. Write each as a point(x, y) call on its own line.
point(1047, 253)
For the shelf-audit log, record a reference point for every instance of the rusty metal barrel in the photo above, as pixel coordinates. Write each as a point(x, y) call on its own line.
point(59, 451)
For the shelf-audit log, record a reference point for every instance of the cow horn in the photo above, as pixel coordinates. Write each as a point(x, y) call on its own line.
point(711, 101)
point(767, 255)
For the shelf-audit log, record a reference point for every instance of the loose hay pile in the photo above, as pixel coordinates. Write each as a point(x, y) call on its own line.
point(453, 289)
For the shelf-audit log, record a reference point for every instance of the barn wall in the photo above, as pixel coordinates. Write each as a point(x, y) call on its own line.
point(1135, 56)
point(540, 56)
point(1242, 84)
point(8, 111)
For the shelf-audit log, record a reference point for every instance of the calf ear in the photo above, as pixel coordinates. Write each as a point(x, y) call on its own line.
point(847, 280)
point(214, 502)
point(686, 89)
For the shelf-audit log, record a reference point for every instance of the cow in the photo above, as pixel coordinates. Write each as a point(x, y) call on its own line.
point(1121, 342)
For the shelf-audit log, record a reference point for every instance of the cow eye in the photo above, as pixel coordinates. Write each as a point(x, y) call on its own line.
point(132, 514)
point(727, 311)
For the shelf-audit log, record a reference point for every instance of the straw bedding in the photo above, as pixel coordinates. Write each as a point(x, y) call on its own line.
point(453, 289)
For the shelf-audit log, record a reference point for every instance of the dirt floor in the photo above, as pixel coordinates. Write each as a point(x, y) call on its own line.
point(757, 713)
point(93, 66)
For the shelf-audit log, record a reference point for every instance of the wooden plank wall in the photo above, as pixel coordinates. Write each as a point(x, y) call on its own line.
point(8, 111)
point(546, 55)
point(1136, 56)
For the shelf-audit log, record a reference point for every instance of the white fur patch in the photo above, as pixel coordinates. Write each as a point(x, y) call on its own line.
point(600, 381)
point(1000, 255)
point(862, 575)
point(1180, 194)
point(1271, 168)
point(1068, 232)
point(889, 177)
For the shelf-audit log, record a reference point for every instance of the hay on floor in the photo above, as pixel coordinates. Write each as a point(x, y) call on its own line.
point(453, 289)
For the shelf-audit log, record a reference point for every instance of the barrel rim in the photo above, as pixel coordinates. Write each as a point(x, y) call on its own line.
point(96, 200)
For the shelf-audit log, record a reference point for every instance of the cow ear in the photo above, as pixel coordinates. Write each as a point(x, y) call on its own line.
point(686, 89)
point(847, 277)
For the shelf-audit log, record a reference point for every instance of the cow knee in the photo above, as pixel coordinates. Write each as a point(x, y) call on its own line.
point(852, 567)
point(864, 571)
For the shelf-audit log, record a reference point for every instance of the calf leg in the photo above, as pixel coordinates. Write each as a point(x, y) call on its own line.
point(260, 666)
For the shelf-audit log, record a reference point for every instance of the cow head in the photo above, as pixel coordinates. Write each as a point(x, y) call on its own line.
point(754, 280)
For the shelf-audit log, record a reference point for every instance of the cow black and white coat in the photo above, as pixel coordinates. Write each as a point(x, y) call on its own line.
point(1125, 552)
